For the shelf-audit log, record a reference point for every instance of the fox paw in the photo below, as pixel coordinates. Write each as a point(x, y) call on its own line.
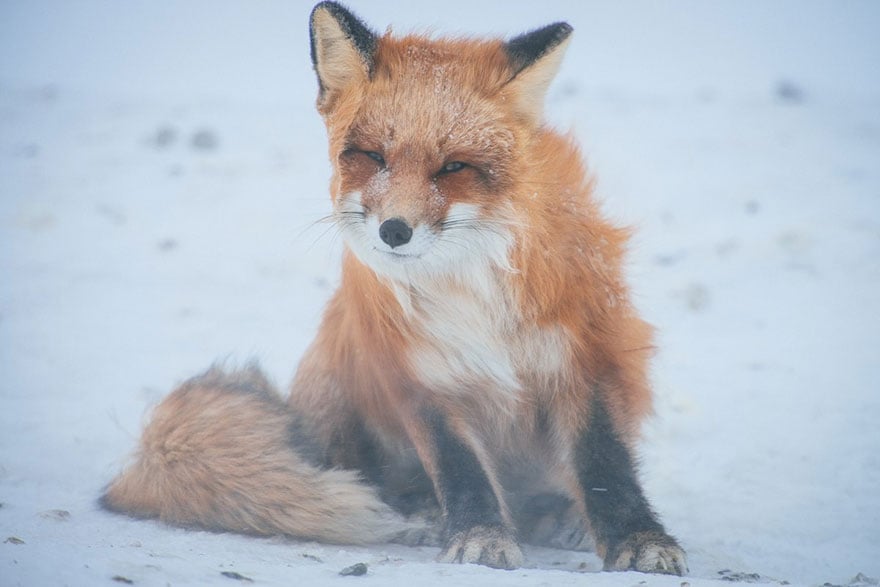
point(648, 552)
point(493, 547)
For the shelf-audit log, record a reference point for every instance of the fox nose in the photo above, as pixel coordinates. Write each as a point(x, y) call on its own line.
point(395, 232)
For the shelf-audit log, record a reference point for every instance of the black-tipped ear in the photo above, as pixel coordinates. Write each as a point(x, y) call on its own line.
point(342, 47)
point(528, 48)
point(534, 60)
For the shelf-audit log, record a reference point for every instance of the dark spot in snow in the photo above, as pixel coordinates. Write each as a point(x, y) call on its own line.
point(165, 137)
point(57, 515)
point(741, 577)
point(236, 576)
point(752, 207)
point(312, 557)
point(112, 214)
point(789, 93)
point(121, 579)
point(355, 570)
point(668, 259)
point(167, 245)
point(860, 580)
point(204, 140)
point(13, 540)
point(696, 297)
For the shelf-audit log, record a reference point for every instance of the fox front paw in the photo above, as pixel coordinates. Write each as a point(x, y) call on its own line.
point(493, 547)
point(648, 552)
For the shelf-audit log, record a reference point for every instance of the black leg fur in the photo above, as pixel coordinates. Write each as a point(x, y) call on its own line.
point(475, 530)
point(465, 492)
point(626, 529)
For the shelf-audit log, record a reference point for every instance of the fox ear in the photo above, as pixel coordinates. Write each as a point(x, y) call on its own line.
point(343, 49)
point(534, 59)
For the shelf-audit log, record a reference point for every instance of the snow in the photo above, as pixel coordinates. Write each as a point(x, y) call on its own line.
point(162, 178)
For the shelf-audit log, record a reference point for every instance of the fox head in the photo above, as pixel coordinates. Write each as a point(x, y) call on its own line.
point(428, 140)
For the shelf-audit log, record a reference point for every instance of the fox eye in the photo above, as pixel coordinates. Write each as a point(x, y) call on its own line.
point(375, 157)
point(453, 166)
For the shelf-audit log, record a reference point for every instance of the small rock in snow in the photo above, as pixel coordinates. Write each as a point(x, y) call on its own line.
point(355, 570)
point(236, 576)
point(59, 515)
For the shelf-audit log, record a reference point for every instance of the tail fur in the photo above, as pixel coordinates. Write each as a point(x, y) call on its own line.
point(220, 454)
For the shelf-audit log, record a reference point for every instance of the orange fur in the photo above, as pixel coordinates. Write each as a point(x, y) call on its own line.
point(491, 331)
point(565, 261)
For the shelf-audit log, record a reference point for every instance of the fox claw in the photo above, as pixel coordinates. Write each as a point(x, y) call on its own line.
point(648, 552)
point(493, 547)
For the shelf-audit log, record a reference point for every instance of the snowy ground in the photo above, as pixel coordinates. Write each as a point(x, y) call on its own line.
point(161, 168)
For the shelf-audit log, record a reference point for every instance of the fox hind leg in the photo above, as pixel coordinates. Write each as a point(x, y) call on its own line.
point(399, 478)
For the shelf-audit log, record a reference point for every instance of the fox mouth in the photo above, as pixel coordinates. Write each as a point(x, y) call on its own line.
point(398, 256)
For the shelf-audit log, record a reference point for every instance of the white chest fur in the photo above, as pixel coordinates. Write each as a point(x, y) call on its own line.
point(475, 338)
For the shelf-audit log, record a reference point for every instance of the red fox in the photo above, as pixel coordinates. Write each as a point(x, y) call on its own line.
point(479, 377)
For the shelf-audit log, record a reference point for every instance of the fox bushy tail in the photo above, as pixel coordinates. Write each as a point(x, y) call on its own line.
point(221, 453)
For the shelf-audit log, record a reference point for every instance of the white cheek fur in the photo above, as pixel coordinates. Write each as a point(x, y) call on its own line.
point(466, 247)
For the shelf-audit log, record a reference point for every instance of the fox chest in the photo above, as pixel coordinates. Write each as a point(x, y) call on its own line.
point(464, 343)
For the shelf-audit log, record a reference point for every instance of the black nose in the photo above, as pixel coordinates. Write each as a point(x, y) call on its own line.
point(395, 232)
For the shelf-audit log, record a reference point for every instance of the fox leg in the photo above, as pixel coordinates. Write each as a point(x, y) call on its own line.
point(627, 532)
point(477, 525)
